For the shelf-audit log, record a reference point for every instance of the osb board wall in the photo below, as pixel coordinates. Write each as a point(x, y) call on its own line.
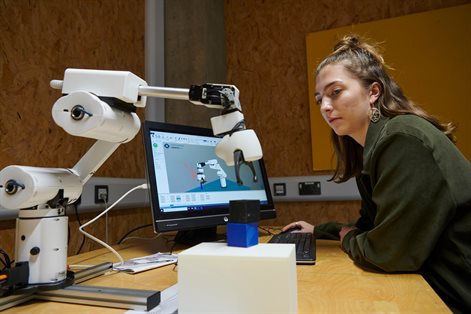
point(265, 56)
point(266, 59)
point(39, 40)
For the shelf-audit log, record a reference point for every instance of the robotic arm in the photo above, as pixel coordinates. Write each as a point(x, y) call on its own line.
point(123, 91)
point(101, 105)
point(238, 145)
point(213, 164)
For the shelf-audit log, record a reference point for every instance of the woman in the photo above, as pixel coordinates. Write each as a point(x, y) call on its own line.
point(414, 183)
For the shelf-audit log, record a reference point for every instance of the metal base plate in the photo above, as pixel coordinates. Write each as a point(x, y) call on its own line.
point(132, 299)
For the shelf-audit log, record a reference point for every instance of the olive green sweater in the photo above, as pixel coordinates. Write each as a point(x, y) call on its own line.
point(416, 208)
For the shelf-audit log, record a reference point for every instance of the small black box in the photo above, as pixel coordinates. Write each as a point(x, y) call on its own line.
point(244, 211)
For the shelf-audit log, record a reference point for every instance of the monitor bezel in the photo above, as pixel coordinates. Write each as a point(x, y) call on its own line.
point(175, 221)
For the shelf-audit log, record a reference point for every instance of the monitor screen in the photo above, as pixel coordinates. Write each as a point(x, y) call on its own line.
point(189, 186)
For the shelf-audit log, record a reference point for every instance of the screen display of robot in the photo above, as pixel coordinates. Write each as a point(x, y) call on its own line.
point(189, 186)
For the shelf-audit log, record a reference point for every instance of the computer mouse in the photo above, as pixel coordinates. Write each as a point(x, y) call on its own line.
point(292, 229)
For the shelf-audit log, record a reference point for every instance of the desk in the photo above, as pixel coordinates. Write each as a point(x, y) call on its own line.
point(333, 285)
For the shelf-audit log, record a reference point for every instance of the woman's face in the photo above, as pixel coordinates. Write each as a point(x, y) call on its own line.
point(344, 102)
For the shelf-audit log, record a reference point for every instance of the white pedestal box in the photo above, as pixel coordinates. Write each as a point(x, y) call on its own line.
point(216, 278)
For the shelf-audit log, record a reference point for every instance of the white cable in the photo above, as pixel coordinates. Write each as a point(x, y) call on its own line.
point(121, 260)
point(106, 222)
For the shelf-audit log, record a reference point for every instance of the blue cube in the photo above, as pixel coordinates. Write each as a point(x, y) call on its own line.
point(242, 235)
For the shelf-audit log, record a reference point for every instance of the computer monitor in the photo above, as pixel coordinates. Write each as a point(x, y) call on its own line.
point(190, 187)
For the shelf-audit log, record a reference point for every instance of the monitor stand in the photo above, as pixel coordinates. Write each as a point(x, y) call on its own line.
point(196, 236)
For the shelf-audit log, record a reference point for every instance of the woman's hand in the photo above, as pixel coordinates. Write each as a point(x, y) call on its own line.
point(299, 226)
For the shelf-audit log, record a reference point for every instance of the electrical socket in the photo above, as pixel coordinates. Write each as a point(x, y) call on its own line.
point(101, 194)
point(309, 188)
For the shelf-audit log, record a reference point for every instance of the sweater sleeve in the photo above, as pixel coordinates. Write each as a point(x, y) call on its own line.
point(413, 207)
point(328, 231)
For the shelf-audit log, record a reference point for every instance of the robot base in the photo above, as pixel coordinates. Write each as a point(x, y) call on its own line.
point(132, 299)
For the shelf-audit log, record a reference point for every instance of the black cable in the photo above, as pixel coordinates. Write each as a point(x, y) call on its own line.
point(131, 231)
point(5, 260)
point(267, 230)
point(173, 246)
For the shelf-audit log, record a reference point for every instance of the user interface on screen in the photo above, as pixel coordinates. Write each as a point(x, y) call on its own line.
point(190, 177)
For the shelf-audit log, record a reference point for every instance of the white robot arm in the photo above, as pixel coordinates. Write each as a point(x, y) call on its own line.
point(101, 105)
point(238, 145)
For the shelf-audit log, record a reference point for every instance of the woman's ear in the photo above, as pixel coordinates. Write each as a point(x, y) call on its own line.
point(375, 92)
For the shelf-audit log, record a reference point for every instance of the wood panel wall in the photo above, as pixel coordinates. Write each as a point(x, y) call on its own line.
point(39, 40)
point(265, 58)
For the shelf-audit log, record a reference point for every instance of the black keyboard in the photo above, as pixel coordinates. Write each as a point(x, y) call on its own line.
point(305, 245)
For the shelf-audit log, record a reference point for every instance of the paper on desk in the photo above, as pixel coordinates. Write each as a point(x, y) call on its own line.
point(139, 264)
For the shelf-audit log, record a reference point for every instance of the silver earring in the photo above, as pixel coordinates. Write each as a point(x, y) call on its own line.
point(375, 114)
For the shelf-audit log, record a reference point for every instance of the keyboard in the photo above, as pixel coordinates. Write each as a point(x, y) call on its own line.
point(304, 242)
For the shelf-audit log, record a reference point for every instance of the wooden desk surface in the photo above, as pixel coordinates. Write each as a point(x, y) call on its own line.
point(333, 285)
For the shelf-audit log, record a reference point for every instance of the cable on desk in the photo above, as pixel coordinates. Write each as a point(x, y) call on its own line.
point(106, 220)
point(268, 229)
point(123, 238)
point(173, 245)
point(143, 238)
point(5, 260)
point(121, 260)
point(4, 271)
point(80, 224)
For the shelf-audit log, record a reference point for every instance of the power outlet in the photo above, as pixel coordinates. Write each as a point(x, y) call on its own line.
point(101, 194)
point(309, 188)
